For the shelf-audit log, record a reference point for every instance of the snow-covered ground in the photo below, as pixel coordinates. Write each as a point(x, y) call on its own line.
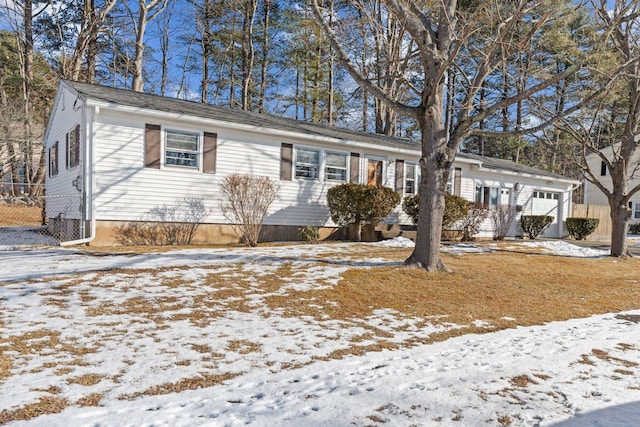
point(94, 337)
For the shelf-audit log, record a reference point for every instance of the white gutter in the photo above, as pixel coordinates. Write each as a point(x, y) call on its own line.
point(88, 181)
point(550, 179)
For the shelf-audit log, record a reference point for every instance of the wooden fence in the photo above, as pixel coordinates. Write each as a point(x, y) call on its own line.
point(603, 232)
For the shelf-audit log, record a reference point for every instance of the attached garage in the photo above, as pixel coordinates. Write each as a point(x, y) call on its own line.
point(548, 203)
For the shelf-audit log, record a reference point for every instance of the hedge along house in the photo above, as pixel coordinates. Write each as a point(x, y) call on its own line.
point(130, 154)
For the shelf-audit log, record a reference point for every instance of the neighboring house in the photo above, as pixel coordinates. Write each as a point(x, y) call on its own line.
point(594, 196)
point(128, 153)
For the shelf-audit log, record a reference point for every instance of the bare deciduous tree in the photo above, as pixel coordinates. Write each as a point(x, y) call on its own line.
point(610, 126)
point(247, 199)
point(147, 10)
point(442, 37)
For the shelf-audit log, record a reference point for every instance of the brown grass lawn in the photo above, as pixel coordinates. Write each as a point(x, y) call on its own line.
point(530, 288)
point(504, 289)
point(11, 216)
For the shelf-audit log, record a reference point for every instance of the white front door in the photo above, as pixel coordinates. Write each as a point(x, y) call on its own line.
point(505, 196)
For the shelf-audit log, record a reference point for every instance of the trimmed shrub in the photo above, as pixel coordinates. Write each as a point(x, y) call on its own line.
point(411, 206)
point(360, 204)
point(455, 208)
point(469, 225)
point(580, 228)
point(534, 225)
point(309, 233)
point(634, 228)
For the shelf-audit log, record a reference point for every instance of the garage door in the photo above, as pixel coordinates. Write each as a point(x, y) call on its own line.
point(546, 203)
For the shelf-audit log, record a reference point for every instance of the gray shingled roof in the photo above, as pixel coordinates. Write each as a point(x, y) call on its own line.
point(206, 111)
point(197, 109)
point(508, 165)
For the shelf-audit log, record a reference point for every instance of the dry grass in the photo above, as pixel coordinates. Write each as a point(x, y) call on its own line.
point(6, 364)
point(13, 216)
point(91, 400)
point(603, 355)
point(86, 379)
point(202, 381)
point(532, 289)
point(45, 340)
point(46, 405)
point(522, 381)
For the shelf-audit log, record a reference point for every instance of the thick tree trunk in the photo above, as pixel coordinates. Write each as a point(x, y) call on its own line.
point(620, 214)
point(435, 167)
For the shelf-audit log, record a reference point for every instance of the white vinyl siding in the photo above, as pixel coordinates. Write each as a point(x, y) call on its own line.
point(127, 191)
point(65, 118)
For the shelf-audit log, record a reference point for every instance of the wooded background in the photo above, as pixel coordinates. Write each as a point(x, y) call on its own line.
point(269, 56)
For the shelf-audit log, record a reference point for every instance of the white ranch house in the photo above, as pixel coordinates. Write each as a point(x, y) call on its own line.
point(128, 153)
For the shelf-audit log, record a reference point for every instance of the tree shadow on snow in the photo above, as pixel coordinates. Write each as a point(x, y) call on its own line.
point(626, 415)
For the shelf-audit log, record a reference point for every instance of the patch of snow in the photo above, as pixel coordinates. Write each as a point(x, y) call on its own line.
point(547, 375)
point(560, 247)
point(462, 248)
point(12, 238)
point(396, 242)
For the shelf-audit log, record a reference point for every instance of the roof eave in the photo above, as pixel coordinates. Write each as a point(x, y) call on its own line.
point(548, 178)
point(93, 102)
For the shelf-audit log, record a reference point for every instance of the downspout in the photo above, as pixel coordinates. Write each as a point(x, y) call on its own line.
point(88, 181)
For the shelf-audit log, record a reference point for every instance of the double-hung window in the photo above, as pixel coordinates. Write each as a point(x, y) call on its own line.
point(53, 159)
point(335, 167)
point(410, 178)
point(182, 149)
point(636, 211)
point(487, 195)
point(308, 163)
point(73, 148)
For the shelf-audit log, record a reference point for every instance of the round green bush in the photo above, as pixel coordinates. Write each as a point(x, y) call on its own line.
point(580, 228)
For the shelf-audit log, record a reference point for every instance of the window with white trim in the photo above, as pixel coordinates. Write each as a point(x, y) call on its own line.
point(487, 195)
point(411, 178)
point(53, 159)
point(73, 149)
point(335, 166)
point(636, 211)
point(307, 163)
point(545, 195)
point(182, 149)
